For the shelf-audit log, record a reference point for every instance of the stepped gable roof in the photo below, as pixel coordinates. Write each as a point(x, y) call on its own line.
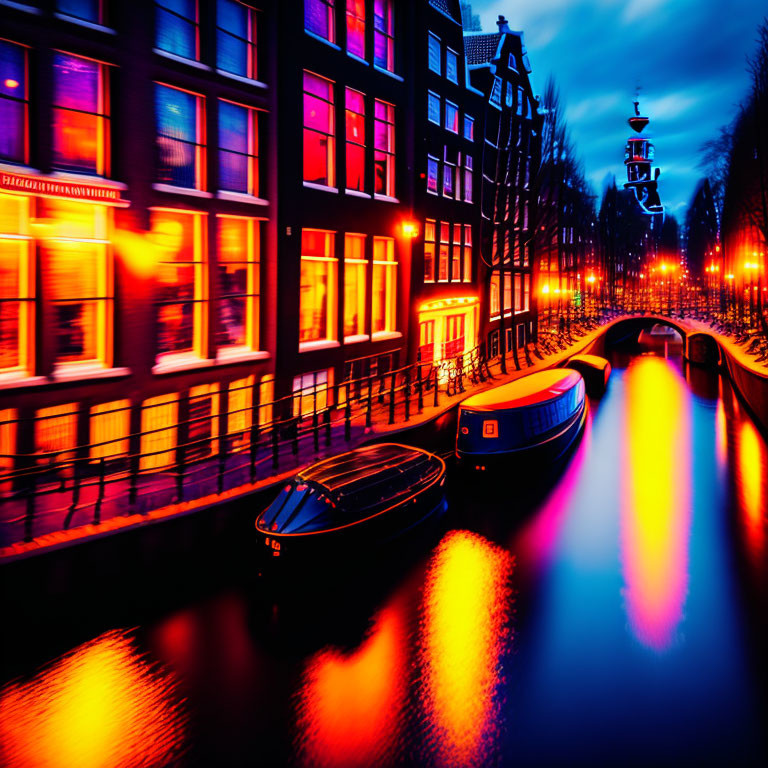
point(449, 8)
point(480, 49)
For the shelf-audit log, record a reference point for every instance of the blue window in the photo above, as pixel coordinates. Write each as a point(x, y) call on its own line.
point(319, 18)
point(433, 108)
point(451, 117)
point(238, 149)
point(452, 66)
point(433, 169)
point(88, 10)
point(433, 45)
point(13, 102)
point(495, 97)
point(469, 128)
point(520, 101)
point(236, 39)
point(177, 27)
point(181, 151)
point(513, 62)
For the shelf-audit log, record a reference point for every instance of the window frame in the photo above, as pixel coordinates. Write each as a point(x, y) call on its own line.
point(451, 55)
point(351, 17)
point(330, 19)
point(468, 120)
point(389, 265)
point(388, 34)
point(251, 156)
point(433, 98)
point(331, 297)
point(455, 107)
point(358, 264)
point(330, 149)
point(194, 23)
point(387, 154)
point(432, 38)
point(24, 101)
point(352, 142)
point(430, 233)
point(251, 41)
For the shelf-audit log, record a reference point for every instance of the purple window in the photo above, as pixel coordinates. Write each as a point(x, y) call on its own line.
point(13, 102)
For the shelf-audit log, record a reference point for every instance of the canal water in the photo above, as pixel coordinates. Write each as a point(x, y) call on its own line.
point(611, 612)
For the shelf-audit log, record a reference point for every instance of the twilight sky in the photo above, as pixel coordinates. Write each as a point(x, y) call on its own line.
point(688, 56)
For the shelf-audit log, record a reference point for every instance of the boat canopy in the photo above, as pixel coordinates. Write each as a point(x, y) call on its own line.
point(592, 361)
point(530, 390)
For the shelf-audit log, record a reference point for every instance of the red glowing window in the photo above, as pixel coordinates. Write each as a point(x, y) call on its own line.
point(356, 27)
point(384, 148)
point(429, 251)
point(319, 131)
point(80, 114)
point(355, 135)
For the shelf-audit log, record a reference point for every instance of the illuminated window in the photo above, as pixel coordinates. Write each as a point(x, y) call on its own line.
point(236, 50)
point(520, 101)
point(17, 286)
point(451, 117)
point(509, 96)
point(433, 108)
point(384, 310)
point(319, 18)
point(384, 34)
point(110, 425)
point(427, 341)
point(468, 178)
point(384, 148)
point(454, 336)
point(180, 119)
point(159, 419)
point(355, 138)
point(494, 300)
point(442, 265)
point(469, 128)
point(77, 270)
point(449, 171)
point(238, 148)
point(181, 282)
point(452, 65)
point(14, 102)
point(518, 293)
point(433, 53)
point(429, 251)
point(239, 412)
point(354, 285)
point(467, 253)
point(526, 292)
point(56, 432)
point(311, 392)
point(456, 259)
point(80, 114)
point(495, 97)
point(266, 398)
point(88, 10)
point(433, 172)
point(177, 28)
point(237, 266)
point(8, 425)
point(319, 131)
point(356, 27)
point(317, 300)
point(202, 422)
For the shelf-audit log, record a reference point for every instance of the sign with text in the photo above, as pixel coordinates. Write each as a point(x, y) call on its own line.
point(74, 190)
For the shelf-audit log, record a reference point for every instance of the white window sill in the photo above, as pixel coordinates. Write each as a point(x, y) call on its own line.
point(85, 23)
point(357, 338)
point(21, 7)
point(19, 380)
point(384, 335)
point(321, 187)
point(80, 178)
point(311, 346)
point(388, 73)
point(235, 355)
point(172, 190)
point(358, 58)
point(87, 371)
point(181, 59)
point(240, 197)
point(241, 79)
point(356, 193)
point(385, 198)
point(322, 40)
point(181, 362)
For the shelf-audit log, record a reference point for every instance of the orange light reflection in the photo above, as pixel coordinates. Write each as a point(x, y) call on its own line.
point(101, 706)
point(752, 468)
point(350, 705)
point(656, 513)
point(464, 633)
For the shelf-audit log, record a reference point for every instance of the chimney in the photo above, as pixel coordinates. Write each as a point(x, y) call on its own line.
point(503, 24)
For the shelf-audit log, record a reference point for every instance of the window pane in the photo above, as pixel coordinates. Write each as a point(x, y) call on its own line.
point(317, 299)
point(81, 9)
point(434, 53)
point(177, 27)
point(159, 417)
point(319, 154)
point(177, 129)
point(13, 107)
point(383, 35)
point(110, 427)
point(318, 18)
point(356, 27)
point(451, 66)
point(354, 285)
point(355, 134)
point(237, 154)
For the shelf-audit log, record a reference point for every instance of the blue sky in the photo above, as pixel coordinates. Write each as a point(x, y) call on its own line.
point(688, 56)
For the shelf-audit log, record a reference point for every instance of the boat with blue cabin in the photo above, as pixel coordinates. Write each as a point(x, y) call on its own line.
point(369, 495)
point(536, 418)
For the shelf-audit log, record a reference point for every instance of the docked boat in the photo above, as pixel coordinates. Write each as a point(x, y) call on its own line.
point(371, 494)
point(536, 417)
point(594, 370)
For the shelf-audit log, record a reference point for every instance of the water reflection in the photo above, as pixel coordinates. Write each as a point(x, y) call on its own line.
point(751, 474)
point(350, 704)
point(464, 633)
point(656, 509)
point(101, 706)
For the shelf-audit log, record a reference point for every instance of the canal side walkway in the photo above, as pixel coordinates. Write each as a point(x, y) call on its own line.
point(157, 497)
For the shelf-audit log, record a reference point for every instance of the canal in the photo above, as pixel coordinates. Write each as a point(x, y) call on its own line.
point(610, 612)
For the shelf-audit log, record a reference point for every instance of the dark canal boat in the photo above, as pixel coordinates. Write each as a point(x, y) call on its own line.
point(535, 418)
point(369, 495)
point(595, 370)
